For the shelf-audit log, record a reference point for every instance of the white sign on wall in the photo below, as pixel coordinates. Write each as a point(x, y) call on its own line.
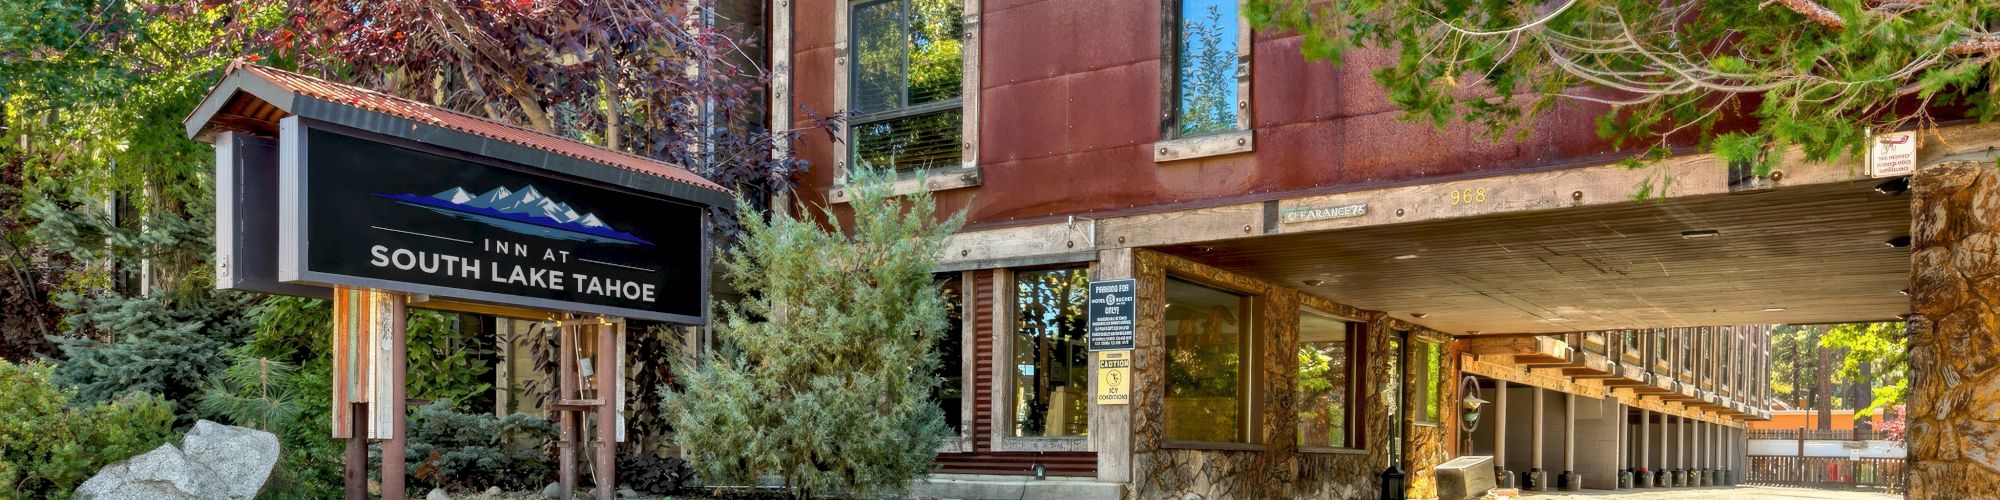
point(1892, 154)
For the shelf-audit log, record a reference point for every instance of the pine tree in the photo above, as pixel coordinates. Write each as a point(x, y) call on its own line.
point(827, 375)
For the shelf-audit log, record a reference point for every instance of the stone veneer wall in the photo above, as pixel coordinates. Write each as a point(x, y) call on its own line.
point(1278, 469)
point(1954, 432)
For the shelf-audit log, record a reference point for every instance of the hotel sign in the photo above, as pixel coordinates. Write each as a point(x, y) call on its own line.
point(384, 214)
point(1305, 214)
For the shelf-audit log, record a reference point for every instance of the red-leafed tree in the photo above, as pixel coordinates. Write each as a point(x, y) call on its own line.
point(667, 80)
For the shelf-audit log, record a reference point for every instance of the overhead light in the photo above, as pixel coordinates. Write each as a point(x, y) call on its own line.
point(1557, 319)
point(1420, 315)
point(1473, 332)
point(1894, 186)
point(1904, 291)
point(1700, 233)
point(1406, 256)
point(1774, 309)
point(1314, 282)
point(1203, 249)
point(1899, 242)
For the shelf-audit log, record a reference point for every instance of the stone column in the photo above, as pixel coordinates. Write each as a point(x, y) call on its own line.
point(1954, 335)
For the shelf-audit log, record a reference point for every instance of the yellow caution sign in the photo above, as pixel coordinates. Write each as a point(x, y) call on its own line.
point(1114, 377)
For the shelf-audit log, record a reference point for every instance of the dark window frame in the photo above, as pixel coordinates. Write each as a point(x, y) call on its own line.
point(1250, 361)
point(1171, 43)
point(856, 120)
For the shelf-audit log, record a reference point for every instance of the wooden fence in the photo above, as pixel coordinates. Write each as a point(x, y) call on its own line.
point(1887, 473)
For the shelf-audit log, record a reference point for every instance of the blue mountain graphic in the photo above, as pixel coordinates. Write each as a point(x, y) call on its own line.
point(525, 211)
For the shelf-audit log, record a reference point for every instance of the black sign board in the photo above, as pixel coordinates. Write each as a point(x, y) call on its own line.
point(395, 215)
point(1112, 314)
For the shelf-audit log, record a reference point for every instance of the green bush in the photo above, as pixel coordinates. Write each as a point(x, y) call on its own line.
point(472, 451)
point(829, 382)
point(150, 344)
point(47, 447)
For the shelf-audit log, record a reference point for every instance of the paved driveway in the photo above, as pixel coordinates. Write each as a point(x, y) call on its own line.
point(1743, 492)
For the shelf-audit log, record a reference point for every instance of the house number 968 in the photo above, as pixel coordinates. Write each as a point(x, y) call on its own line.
point(1467, 196)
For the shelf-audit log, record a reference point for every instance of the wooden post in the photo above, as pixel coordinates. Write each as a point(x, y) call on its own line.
point(607, 376)
point(1110, 425)
point(399, 362)
point(566, 425)
point(355, 463)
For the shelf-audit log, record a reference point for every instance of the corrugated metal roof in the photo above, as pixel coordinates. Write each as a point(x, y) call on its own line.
point(361, 98)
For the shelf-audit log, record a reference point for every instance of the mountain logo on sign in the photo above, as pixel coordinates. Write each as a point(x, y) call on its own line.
point(525, 210)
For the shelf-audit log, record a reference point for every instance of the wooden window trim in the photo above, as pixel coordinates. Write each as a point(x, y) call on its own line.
point(968, 348)
point(1002, 436)
point(967, 174)
point(1174, 147)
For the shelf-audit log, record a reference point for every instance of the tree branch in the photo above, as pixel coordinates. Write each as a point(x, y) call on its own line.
point(1813, 11)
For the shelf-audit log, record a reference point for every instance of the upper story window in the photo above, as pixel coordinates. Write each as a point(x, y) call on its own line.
point(1208, 378)
point(1205, 80)
point(906, 81)
point(1205, 90)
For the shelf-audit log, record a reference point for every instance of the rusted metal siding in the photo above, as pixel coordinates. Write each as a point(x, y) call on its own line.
point(1070, 98)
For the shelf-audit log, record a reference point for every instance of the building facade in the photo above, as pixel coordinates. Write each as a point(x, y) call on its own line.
point(1321, 288)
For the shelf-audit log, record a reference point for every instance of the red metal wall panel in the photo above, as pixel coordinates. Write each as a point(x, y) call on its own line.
point(1069, 110)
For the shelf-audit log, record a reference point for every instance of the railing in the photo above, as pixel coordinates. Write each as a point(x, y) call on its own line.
point(1886, 473)
point(1833, 435)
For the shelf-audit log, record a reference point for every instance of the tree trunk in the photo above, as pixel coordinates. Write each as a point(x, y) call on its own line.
point(1864, 396)
point(1823, 391)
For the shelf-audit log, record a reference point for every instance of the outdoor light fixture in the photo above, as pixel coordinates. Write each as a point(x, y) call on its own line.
point(1774, 309)
point(1420, 315)
point(1700, 233)
point(1315, 282)
point(1904, 291)
point(1041, 472)
point(1203, 249)
point(1557, 319)
point(1899, 242)
point(1894, 186)
point(1406, 256)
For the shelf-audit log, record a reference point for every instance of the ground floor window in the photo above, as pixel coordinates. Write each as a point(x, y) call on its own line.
point(950, 391)
point(1208, 332)
point(1327, 371)
point(1051, 354)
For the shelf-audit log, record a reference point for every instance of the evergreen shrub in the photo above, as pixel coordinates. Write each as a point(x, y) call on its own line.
point(827, 376)
point(48, 447)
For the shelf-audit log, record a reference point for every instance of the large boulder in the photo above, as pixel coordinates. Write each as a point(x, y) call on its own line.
point(213, 461)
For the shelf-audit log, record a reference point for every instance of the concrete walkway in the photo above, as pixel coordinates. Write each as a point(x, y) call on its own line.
point(1758, 492)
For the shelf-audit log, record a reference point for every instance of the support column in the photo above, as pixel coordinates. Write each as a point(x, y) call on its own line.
point(1699, 475)
point(399, 363)
point(1111, 425)
point(606, 376)
point(1624, 424)
point(1676, 469)
point(1955, 295)
point(1570, 480)
point(1500, 473)
point(1538, 479)
point(1645, 473)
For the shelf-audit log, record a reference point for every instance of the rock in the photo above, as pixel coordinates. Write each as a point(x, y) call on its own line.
point(213, 461)
point(241, 457)
point(553, 490)
point(627, 492)
point(437, 494)
point(163, 473)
